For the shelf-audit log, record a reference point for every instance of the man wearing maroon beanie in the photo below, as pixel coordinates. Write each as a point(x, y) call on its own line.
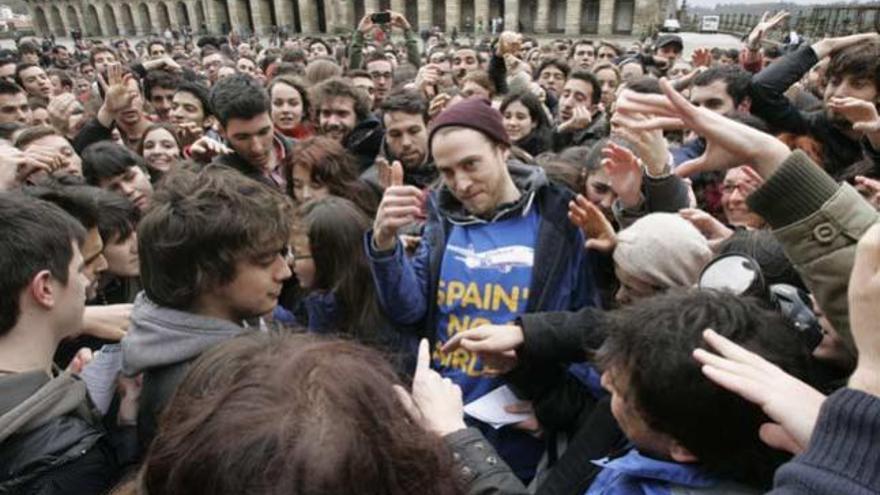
point(497, 244)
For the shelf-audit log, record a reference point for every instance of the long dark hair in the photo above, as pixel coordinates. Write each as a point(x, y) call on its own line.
point(335, 228)
point(270, 413)
point(538, 140)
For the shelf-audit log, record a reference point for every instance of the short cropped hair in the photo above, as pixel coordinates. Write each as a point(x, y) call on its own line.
point(405, 101)
point(238, 97)
point(590, 79)
point(199, 225)
point(735, 77)
point(37, 235)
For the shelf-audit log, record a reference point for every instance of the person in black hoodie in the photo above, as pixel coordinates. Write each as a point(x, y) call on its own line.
point(51, 437)
point(242, 107)
point(343, 113)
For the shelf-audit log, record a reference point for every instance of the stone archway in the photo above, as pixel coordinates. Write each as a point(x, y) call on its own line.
point(438, 16)
point(73, 19)
point(93, 23)
point(527, 15)
point(128, 20)
point(40, 21)
point(58, 22)
point(224, 22)
point(201, 18)
point(144, 16)
point(267, 18)
point(164, 17)
point(111, 27)
point(183, 15)
point(411, 12)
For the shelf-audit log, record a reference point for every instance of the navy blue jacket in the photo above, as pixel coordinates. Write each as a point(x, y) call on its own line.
point(562, 276)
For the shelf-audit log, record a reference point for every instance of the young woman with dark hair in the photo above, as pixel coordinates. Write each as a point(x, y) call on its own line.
point(332, 270)
point(161, 149)
point(321, 167)
point(526, 122)
point(290, 107)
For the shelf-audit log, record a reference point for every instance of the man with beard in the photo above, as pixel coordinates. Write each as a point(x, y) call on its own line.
point(381, 71)
point(581, 121)
point(406, 140)
point(343, 113)
point(464, 59)
point(850, 97)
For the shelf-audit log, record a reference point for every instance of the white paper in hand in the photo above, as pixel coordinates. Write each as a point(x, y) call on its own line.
point(100, 375)
point(490, 408)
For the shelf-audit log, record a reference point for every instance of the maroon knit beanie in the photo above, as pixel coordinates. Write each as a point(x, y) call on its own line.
point(474, 113)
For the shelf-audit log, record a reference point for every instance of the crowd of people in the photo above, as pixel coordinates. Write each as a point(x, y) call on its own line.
point(383, 264)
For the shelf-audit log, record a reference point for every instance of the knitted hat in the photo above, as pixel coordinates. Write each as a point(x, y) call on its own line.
point(662, 250)
point(473, 113)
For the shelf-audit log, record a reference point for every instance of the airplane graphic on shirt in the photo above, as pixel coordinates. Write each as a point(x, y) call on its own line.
point(502, 259)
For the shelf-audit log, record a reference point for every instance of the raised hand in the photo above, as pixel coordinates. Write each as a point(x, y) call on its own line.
point(400, 206)
point(701, 57)
point(791, 403)
point(767, 23)
point(729, 143)
point(596, 228)
point(624, 172)
point(435, 402)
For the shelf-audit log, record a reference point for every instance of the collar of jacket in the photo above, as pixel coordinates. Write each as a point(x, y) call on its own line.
point(281, 144)
point(528, 179)
point(43, 398)
point(634, 464)
point(364, 133)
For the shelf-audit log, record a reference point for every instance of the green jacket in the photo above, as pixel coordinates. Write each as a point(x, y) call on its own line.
point(356, 49)
point(819, 224)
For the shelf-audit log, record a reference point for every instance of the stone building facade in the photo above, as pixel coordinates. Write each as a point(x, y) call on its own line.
point(142, 17)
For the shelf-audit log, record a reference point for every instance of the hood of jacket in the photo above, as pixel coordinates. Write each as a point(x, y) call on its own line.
point(366, 137)
point(160, 336)
point(30, 400)
point(527, 178)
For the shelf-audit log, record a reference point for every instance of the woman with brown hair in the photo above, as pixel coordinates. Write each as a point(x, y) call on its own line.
point(321, 167)
point(290, 107)
point(161, 149)
point(302, 415)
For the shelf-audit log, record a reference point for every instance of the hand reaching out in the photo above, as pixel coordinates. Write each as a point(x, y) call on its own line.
point(729, 143)
point(791, 403)
point(435, 402)
point(624, 172)
point(495, 344)
point(596, 228)
point(870, 189)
